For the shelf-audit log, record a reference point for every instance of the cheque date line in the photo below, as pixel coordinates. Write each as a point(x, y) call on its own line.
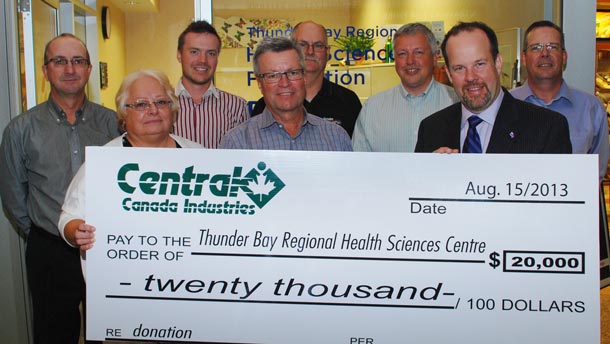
point(428, 209)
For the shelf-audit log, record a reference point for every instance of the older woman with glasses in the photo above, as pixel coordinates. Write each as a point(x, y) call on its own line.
point(146, 108)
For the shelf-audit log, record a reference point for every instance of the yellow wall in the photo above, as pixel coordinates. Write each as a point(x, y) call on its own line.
point(112, 51)
point(152, 38)
point(233, 67)
point(498, 14)
point(44, 17)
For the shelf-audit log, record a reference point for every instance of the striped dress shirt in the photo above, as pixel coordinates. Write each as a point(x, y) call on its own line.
point(207, 122)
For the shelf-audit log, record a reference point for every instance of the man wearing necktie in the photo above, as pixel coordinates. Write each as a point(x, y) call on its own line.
point(487, 119)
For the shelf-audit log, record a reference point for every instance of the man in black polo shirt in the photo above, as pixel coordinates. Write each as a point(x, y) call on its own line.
point(323, 98)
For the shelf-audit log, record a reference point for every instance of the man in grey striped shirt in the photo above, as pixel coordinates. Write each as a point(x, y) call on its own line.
point(284, 124)
point(388, 121)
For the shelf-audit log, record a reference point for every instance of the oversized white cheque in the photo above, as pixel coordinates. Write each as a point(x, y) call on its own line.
point(324, 247)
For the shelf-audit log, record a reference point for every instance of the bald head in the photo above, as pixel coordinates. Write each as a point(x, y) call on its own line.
point(55, 41)
point(309, 27)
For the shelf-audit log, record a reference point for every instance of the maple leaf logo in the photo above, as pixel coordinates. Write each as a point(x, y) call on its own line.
point(263, 184)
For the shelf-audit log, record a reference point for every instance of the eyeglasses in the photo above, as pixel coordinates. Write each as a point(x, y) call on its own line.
point(272, 78)
point(550, 47)
point(62, 61)
point(144, 105)
point(317, 46)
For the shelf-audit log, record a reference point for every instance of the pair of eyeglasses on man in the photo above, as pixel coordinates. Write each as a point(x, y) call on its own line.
point(317, 46)
point(550, 47)
point(275, 77)
point(144, 105)
point(62, 61)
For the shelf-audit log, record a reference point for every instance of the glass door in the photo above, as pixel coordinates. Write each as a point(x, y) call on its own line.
point(39, 22)
point(37, 25)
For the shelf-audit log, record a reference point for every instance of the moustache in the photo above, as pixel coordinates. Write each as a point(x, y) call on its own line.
point(475, 84)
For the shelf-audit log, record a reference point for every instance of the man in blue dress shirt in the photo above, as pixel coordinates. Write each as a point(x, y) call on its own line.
point(284, 124)
point(544, 56)
point(323, 98)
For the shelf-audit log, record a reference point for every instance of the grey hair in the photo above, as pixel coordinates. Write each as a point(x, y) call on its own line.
point(276, 45)
point(415, 28)
point(123, 92)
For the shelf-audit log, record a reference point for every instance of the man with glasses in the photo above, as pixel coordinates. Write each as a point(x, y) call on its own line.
point(284, 124)
point(545, 57)
point(323, 98)
point(389, 120)
point(41, 151)
point(206, 113)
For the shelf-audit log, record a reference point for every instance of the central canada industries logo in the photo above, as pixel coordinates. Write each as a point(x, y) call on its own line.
point(260, 184)
point(263, 184)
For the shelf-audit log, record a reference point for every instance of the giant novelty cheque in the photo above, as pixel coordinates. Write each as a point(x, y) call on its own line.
point(324, 247)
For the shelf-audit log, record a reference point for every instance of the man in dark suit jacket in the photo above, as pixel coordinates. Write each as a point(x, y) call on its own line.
point(508, 125)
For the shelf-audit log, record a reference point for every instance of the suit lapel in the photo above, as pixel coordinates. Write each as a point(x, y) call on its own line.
point(453, 124)
point(505, 129)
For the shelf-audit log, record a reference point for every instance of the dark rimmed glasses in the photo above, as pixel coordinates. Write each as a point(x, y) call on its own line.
point(275, 77)
point(62, 61)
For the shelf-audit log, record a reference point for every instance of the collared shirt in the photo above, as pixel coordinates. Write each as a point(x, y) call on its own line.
point(207, 122)
point(586, 117)
point(388, 121)
point(484, 128)
point(264, 132)
point(40, 153)
point(333, 102)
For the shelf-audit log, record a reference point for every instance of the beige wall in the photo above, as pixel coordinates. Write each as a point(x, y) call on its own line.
point(112, 51)
point(151, 38)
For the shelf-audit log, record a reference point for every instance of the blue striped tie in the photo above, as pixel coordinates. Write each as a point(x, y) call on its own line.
point(472, 144)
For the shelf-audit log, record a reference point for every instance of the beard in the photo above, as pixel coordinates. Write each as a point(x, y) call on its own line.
point(477, 103)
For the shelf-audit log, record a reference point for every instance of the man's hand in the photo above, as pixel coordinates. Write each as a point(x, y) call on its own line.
point(84, 236)
point(446, 150)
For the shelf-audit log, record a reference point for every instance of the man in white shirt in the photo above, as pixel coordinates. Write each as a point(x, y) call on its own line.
point(389, 120)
